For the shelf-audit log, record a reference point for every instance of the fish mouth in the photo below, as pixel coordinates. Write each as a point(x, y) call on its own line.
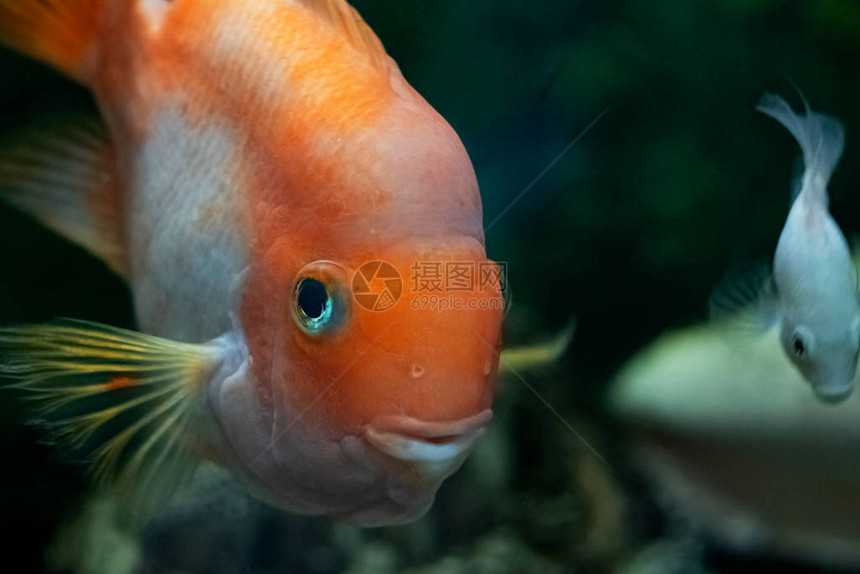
point(432, 446)
point(833, 396)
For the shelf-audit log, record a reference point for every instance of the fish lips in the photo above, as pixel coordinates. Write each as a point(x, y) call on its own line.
point(833, 382)
point(433, 449)
point(833, 395)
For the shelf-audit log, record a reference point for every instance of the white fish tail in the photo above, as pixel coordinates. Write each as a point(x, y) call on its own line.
point(821, 138)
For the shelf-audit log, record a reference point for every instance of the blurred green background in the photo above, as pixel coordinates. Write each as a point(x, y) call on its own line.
point(679, 181)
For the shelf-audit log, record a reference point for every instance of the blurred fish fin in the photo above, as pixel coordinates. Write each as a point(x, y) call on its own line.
point(854, 248)
point(797, 180)
point(533, 356)
point(508, 298)
point(745, 301)
point(821, 138)
point(345, 19)
point(61, 33)
point(92, 540)
point(64, 177)
point(131, 404)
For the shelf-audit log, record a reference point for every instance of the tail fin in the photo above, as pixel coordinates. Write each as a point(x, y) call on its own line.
point(821, 138)
point(60, 33)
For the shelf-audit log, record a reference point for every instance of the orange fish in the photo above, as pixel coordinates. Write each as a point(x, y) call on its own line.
point(270, 186)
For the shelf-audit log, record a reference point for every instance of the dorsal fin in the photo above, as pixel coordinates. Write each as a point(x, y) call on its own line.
point(349, 22)
point(61, 33)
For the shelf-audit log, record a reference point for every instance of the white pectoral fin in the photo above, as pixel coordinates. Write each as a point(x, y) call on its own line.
point(64, 177)
point(745, 302)
point(132, 404)
point(533, 356)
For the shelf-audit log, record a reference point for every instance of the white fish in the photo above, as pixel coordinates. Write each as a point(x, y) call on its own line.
point(811, 293)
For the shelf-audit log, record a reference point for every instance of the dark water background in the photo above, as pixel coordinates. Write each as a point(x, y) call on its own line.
point(680, 180)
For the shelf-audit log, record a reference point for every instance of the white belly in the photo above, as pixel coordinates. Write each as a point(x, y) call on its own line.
point(186, 236)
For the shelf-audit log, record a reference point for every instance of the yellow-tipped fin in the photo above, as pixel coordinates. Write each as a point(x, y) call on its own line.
point(131, 402)
point(533, 356)
point(61, 33)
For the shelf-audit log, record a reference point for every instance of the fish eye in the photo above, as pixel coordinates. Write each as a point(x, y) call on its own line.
point(798, 343)
point(798, 346)
point(318, 305)
point(313, 301)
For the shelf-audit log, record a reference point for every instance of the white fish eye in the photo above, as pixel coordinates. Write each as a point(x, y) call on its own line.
point(801, 343)
point(798, 346)
point(318, 304)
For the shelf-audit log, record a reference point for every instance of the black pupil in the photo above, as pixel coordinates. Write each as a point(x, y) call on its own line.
point(312, 298)
point(798, 347)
